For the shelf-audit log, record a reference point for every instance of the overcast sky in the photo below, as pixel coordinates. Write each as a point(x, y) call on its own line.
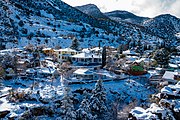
point(146, 8)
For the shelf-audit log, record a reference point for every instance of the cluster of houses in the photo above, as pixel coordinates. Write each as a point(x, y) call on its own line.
point(170, 75)
point(89, 64)
point(84, 57)
point(48, 62)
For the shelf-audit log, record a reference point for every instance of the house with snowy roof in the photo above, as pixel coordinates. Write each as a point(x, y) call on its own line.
point(65, 54)
point(87, 59)
point(47, 71)
point(170, 77)
point(85, 74)
point(48, 51)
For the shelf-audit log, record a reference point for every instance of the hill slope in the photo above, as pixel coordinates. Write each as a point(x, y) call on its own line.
point(54, 23)
point(165, 26)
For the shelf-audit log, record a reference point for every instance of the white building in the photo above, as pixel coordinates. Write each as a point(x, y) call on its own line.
point(170, 77)
point(87, 59)
point(130, 53)
point(84, 74)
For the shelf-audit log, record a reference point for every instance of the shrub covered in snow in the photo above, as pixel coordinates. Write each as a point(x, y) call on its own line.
point(168, 107)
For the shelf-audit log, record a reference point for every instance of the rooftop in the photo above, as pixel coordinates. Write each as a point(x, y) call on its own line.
point(86, 55)
point(67, 50)
point(83, 71)
point(169, 75)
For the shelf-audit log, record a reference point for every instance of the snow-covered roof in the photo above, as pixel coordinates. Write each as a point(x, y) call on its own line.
point(46, 49)
point(139, 61)
point(158, 68)
point(83, 71)
point(97, 49)
point(169, 75)
point(173, 65)
point(86, 50)
point(86, 55)
point(129, 52)
point(3, 52)
point(147, 59)
point(48, 58)
point(132, 58)
point(22, 61)
point(46, 70)
point(66, 50)
point(7, 50)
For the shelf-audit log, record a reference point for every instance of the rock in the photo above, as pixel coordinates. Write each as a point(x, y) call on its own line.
point(176, 115)
point(4, 113)
point(37, 111)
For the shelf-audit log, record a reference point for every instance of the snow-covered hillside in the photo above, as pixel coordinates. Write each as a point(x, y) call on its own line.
point(165, 26)
point(54, 23)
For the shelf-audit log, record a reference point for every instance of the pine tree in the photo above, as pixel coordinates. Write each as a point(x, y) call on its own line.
point(84, 111)
point(139, 48)
point(120, 49)
point(67, 107)
point(98, 100)
point(75, 44)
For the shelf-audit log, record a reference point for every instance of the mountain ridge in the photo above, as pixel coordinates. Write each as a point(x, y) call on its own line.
point(121, 15)
point(32, 19)
point(92, 10)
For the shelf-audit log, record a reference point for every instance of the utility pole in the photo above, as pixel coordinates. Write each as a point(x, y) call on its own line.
point(104, 57)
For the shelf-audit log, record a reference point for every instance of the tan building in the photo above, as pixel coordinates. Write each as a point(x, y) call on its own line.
point(64, 54)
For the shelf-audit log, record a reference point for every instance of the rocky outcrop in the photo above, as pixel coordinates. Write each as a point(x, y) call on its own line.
point(4, 113)
point(36, 111)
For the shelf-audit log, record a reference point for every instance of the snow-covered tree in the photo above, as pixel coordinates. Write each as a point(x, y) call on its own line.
point(84, 111)
point(98, 100)
point(67, 108)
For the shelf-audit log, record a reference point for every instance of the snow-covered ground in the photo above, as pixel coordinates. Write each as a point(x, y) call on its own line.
point(48, 91)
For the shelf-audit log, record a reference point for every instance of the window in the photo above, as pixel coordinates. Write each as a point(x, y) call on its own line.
point(73, 59)
point(95, 60)
point(82, 60)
